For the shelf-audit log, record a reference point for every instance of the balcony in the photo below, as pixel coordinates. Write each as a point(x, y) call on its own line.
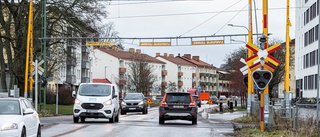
point(71, 61)
point(85, 80)
point(164, 73)
point(194, 84)
point(85, 64)
point(180, 83)
point(194, 74)
point(85, 49)
point(180, 74)
point(71, 79)
point(122, 70)
point(122, 82)
point(163, 84)
point(202, 74)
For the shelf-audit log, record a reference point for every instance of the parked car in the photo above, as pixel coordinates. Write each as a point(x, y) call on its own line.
point(214, 99)
point(134, 102)
point(18, 118)
point(96, 100)
point(197, 100)
point(223, 99)
point(178, 105)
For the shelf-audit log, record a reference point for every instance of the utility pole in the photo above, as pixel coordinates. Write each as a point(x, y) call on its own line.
point(29, 54)
point(287, 58)
point(264, 96)
point(44, 49)
point(250, 52)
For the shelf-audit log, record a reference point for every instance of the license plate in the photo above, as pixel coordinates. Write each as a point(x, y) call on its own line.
point(132, 108)
point(92, 111)
point(178, 106)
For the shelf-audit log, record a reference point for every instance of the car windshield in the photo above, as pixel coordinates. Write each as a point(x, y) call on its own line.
point(133, 97)
point(9, 107)
point(178, 98)
point(94, 90)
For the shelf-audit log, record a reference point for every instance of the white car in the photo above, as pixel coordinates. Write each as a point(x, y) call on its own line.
point(18, 118)
point(96, 100)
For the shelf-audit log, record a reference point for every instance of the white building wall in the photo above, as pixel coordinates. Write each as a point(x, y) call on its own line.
point(187, 77)
point(104, 66)
point(172, 70)
point(300, 49)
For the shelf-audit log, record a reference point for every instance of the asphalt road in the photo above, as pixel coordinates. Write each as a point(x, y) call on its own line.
point(134, 125)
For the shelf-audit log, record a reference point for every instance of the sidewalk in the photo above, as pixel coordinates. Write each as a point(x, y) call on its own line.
point(225, 117)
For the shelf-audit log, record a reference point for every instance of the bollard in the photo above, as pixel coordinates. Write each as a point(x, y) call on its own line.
point(221, 108)
point(231, 106)
point(235, 103)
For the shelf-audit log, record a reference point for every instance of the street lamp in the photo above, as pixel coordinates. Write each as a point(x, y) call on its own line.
point(232, 25)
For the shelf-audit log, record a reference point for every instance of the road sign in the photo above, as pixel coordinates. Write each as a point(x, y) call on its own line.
point(100, 43)
point(149, 101)
point(270, 61)
point(155, 43)
point(209, 101)
point(204, 96)
point(207, 42)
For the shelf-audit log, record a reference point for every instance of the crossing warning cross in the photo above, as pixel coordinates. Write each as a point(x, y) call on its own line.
point(270, 61)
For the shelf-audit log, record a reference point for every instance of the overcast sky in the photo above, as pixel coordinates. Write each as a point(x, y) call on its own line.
point(194, 18)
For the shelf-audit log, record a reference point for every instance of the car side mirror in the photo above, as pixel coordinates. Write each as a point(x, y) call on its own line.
point(74, 94)
point(28, 111)
point(114, 96)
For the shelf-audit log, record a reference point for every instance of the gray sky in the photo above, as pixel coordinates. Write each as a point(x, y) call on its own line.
point(194, 18)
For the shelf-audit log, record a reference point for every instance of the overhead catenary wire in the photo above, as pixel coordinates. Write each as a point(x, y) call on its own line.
point(210, 18)
point(230, 19)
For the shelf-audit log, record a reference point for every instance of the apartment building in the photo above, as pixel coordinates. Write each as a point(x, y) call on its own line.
point(180, 72)
point(113, 64)
point(306, 49)
point(205, 75)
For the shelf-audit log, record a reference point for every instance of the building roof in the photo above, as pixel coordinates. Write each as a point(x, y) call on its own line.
point(103, 80)
point(129, 55)
point(194, 60)
point(178, 61)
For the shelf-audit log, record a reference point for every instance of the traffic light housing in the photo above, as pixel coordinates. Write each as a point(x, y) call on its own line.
point(262, 78)
point(245, 80)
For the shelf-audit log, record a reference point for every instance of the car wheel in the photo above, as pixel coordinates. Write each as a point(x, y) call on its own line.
point(117, 117)
point(39, 131)
point(123, 112)
point(75, 119)
point(194, 121)
point(144, 111)
point(83, 119)
point(112, 119)
point(161, 120)
point(23, 132)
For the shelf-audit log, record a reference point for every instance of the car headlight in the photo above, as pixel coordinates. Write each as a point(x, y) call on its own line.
point(77, 102)
point(123, 103)
point(108, 103)
point(140, 103)
point(9, 126)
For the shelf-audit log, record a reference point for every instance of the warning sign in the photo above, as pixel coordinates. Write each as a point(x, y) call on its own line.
point(209, 102)
point(149, 101)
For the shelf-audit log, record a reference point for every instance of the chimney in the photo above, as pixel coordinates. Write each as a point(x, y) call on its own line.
point(178, 54)
point(171, 56)
point(195, 58)
point(188, 56)
point(165, 54)
point(138, 51)
point(157, 54)
point(131, 50)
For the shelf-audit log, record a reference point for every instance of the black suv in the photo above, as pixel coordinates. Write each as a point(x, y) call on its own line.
point(178, 105)
point(134, 102)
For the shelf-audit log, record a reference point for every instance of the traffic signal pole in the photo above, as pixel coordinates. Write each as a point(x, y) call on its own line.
point(287, 55)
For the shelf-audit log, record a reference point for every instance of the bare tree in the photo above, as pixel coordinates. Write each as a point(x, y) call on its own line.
point(233, 62)
point(13, 26)
point(141, 74)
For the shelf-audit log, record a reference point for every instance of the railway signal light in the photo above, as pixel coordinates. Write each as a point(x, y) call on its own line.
point(262, 78)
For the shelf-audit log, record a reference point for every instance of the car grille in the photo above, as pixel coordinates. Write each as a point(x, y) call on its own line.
point(132, 104)
point(92, 105)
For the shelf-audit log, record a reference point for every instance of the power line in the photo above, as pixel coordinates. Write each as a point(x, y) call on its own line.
point(210, 18)
point(230, 20)
point(193, 13)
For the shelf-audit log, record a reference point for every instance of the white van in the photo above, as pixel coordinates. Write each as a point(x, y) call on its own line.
point(96, 100)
